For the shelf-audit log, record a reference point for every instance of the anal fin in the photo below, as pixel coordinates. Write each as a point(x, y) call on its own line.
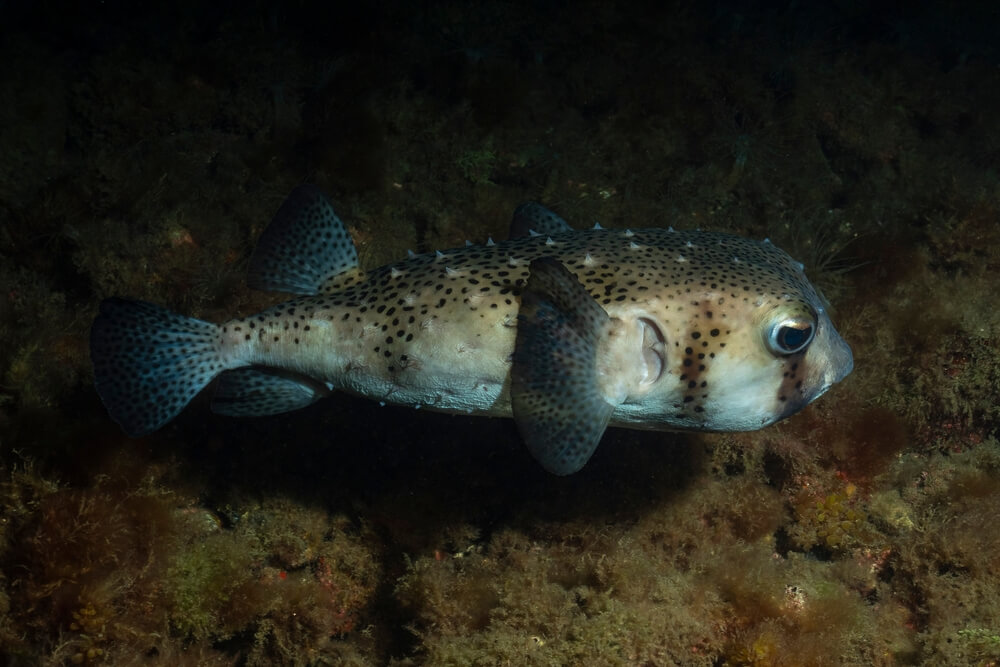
point(557, 403)
point(258, 392)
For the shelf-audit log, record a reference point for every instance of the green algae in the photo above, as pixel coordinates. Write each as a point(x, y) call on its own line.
point(202, 580)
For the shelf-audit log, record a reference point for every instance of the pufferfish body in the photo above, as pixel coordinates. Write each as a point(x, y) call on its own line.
point(566, 331)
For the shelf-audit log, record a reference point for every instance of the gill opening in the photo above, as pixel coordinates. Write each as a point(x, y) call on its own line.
point(654, 348)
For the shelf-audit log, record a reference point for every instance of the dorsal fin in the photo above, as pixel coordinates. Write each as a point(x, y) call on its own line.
point(533, 217)
point(306, 249)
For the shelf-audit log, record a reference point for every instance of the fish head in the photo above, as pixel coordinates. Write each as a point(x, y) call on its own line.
point(763, 365)
point(734, 350)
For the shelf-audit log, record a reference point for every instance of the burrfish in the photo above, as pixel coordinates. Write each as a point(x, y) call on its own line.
point(567, 331)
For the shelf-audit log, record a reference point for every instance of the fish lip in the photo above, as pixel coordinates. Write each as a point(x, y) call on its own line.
point(842, 362)
point(841, 365)
point(837, 355)
point(849, 366)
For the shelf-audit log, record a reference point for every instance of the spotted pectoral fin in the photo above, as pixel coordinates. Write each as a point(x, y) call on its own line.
point(557, 403)
point(532, 218)
point(258, 392)
point(306, 249)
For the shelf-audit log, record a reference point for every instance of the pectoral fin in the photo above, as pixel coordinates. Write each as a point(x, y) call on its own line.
point(556, 401)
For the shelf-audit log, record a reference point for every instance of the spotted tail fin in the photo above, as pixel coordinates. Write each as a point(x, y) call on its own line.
point(149, 362)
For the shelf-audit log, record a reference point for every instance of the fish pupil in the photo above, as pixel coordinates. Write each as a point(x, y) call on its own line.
point(792, 338)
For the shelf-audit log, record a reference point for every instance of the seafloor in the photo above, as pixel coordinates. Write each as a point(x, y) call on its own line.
point(142, 150)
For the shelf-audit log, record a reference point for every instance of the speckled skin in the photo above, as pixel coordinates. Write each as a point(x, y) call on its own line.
point(687, 348)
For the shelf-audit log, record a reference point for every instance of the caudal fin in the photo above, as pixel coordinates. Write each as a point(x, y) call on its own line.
point(149, 362)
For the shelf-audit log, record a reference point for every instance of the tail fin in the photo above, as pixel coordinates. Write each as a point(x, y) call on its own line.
point(149, 362)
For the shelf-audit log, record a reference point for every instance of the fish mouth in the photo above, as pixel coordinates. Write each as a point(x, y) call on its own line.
point(654, 346)
point(846, 362)
point(838, 362)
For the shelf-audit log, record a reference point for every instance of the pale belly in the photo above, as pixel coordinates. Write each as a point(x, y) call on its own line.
point(458, 363)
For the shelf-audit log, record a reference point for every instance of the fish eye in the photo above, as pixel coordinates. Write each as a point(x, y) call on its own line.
point(791, 335)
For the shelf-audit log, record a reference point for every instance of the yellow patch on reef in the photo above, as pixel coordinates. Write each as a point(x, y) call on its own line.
point(835, 521)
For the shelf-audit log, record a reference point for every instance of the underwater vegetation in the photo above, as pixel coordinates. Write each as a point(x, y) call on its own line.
point(122, 564)
point(144, 153)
